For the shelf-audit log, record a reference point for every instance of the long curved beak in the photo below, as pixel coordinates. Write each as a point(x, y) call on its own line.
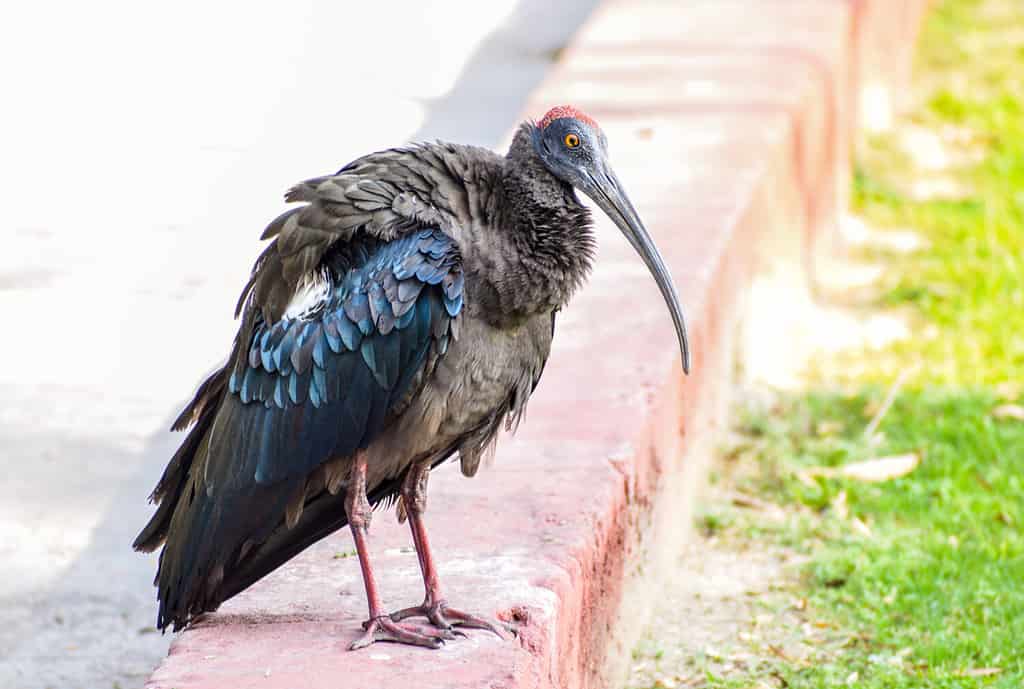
point(606, 191)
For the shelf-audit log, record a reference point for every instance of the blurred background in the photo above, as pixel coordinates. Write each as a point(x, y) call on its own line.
point(145, 147)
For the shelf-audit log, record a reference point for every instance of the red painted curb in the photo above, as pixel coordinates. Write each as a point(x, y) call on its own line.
point(730, 122)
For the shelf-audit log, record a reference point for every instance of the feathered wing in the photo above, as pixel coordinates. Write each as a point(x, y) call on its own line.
point(383, 195)
point(311, 383)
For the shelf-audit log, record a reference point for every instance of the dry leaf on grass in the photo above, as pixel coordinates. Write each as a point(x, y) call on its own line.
point(882, 469)
point(860, 527)
point(870, 471)
point(980, 672)
point(768, 510)
point(744, 500)
point(1009, 411)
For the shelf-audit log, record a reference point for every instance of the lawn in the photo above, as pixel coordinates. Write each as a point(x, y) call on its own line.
point(969, 281)
point(922, 573)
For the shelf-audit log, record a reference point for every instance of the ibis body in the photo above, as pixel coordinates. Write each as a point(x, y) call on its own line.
point(400, 316)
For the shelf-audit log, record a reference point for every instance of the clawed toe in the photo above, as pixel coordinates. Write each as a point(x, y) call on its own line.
point(444, 617)
point(385, 629)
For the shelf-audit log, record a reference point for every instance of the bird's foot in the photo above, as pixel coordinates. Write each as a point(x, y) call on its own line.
point(384, 628)
point(446, 618)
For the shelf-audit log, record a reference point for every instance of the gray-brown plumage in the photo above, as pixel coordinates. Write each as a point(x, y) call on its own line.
point(401, 315)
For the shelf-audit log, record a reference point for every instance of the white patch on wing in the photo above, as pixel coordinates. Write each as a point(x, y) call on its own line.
point(310, 293)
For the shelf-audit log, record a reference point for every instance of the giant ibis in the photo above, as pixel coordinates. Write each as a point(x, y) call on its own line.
point(403, 314)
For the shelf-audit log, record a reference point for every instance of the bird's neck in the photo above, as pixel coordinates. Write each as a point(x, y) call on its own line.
point(548, 237)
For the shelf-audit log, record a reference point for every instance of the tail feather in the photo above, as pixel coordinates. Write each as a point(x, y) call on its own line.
point(202, 409)
point(216, 513)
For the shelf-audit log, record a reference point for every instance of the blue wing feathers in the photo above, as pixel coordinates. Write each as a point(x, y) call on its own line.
point(357, 308)
point(319, 347)
point(302, 354)
point(453, 306)
point(321, 385)
point(351, 335)
point(331, 334)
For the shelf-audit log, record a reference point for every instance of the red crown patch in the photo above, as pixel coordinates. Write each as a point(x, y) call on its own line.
point(561, 111)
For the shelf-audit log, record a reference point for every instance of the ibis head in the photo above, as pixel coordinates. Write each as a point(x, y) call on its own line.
point(574, 149)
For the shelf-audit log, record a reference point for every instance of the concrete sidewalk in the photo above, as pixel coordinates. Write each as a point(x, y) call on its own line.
point(150, 149)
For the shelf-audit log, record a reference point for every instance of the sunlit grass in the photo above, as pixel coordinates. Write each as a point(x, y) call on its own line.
point(931, 582)
point(968, 281)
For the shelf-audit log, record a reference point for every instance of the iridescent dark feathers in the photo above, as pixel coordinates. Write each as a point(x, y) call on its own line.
point(383, 195)
point(307, 388)
point(356, 299)
point(320, 384)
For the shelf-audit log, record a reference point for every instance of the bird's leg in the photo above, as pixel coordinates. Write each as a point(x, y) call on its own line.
point(380, 626)
point(435, 607)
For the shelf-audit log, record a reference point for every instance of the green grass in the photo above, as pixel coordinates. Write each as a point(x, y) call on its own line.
point(941, 572)
point(969, 281)
point(932, 590)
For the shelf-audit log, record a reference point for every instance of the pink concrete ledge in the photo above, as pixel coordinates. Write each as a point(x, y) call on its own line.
point(730, 123)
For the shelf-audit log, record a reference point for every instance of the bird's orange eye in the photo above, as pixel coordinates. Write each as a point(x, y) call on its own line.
point(572, 141)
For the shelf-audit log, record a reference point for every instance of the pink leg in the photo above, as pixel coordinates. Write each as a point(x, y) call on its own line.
point(380, 627)
point(435, 607)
